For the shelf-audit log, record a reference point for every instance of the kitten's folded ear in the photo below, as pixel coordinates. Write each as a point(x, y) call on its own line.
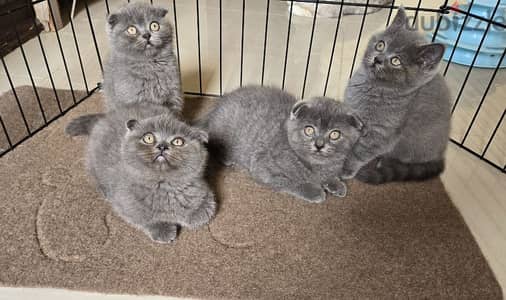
point(201, 135)
point(112, 20)
point(161, 12)
point(131, 124)
point(356, 122)
point(298, 108)
point(430, 55)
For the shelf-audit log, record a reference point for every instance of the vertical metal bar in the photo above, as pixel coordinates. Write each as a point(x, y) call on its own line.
point(15, 95)
point(265, 39)
point(287, 45)
point(442, 7)
point(30, 74)
point(93, 35)
point(474, 58)
point(107, 6)
point(51, 80)
point(79, 56)
point(359, 36)
point(198, 42)
point(62, 53)
point(483, 97)
point(458, 39)
point(6, 133)
point(416, 12)
point(333, 49)
point(390, 12)
point(493, 134)
point(221, 49)
point(310, 47)
point(242, 40)
point(177, 36)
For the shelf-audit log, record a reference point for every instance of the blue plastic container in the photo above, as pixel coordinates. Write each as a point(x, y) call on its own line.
point(474, 30)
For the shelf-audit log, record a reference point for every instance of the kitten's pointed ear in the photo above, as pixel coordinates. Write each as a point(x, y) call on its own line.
point(131, 124)
point(297, 109)
point(112, 20)
point(430, 55)
point(400, 20)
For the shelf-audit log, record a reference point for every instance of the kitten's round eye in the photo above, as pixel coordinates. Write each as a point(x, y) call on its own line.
point(335, 134)
point(177, 142)
point(380, 46)
point(309, 130)
point(131, 30)
point(148, 138)
point(395, 61)
point(154, 26)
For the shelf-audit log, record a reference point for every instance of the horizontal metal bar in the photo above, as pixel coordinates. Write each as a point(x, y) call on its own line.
point(202, 94)
point(441, 9)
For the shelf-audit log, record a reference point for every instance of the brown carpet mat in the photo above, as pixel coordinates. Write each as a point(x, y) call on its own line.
point(392, 241)
point(33, 111)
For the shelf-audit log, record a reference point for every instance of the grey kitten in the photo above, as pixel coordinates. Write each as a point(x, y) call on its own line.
point(333, 10)
point(294, 147)
point(149, 166)
point(142, 66)
point(404, 102)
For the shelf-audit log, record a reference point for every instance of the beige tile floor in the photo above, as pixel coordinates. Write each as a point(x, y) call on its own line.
point(477, 189)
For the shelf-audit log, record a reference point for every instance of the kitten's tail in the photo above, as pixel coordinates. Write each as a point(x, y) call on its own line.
point(389, 169)
point(83, 125)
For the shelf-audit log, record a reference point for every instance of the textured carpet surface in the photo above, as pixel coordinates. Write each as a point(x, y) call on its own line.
point(35, 106)
point(392, 241)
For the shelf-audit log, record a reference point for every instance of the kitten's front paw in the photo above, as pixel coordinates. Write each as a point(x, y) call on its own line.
point(336, 188)
point(349, 171)
point(162, 232)
point(202, 215)
point(312, 193)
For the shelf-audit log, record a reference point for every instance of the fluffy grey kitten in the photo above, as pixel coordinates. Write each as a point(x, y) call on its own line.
point(332, 10)
point(149, 166)
point(142, 66)
point(295, 147)
point(404, 102)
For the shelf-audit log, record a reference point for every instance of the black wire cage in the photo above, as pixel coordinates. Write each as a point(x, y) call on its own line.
point(276, 29)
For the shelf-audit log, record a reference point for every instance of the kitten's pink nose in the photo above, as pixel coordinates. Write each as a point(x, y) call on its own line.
point(147, 35)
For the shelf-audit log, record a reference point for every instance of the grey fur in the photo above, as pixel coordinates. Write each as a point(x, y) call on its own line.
point(406, 108)
point(334, 10)
point(137, 71)
point(83, 125)
point(154, 194)
point(261, 130)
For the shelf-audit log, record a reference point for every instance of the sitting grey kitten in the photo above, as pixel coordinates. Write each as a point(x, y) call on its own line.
point(295, 147)
point(404, 102)
point(332, 10)
point(149, 166)
point(142, 66)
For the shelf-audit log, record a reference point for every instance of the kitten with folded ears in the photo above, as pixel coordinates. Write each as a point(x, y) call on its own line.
point(150, 167)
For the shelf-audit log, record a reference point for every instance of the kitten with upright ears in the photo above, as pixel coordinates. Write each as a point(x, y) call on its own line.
point(405, 103)
point(141, 66)
point(294, 147)
point(150, 167)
